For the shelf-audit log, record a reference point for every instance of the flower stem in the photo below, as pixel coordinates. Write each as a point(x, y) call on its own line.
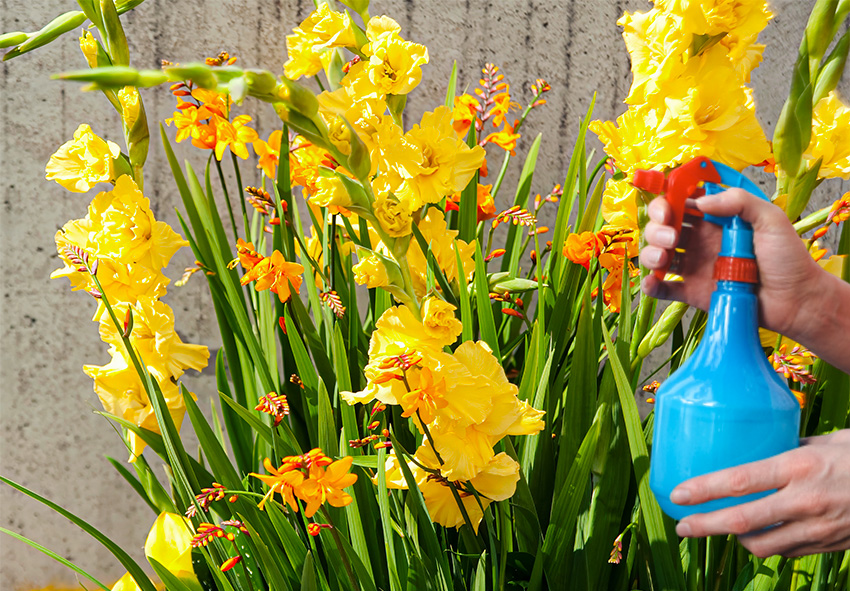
point(342, 552)
point(227, 197)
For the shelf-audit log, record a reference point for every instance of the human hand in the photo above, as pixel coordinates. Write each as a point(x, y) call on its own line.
point(810, 510)
point(787, 273)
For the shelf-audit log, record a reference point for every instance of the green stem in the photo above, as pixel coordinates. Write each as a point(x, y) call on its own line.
point(812, 220)
point(339, 547)
point(240, 188)
point(227, 197)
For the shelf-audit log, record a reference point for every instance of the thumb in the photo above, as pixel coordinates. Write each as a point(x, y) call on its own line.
point(758, 212)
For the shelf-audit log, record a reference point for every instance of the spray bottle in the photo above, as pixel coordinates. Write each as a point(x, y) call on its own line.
point(725, 405)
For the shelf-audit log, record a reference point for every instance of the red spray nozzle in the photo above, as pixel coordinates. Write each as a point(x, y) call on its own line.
point(653, 181)
point(680, 184)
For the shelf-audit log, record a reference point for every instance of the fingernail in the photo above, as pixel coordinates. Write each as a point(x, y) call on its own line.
point(680, 496)
point(683, 530)
point(666, 237)
point(651, 256)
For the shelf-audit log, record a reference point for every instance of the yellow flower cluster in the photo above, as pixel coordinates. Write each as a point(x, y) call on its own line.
point(461, 401)
point(125, 247)
point(691, 61)
point(831, 138)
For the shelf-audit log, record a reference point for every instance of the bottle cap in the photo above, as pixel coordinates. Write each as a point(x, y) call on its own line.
point(743, 270)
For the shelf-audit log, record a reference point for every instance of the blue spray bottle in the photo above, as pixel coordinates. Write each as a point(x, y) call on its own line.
point(725, 405)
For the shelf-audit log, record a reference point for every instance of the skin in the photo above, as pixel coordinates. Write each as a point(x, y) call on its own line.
point(810, 512)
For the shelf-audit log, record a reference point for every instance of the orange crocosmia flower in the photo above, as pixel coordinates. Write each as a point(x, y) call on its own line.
point(269, 153)
point(188, 120)
point(505, 139)
point(248, 257)
point(304, 161)
point(501, 105)
point(235, 135)
point(284, 480)
point(582, 248)
point(426, 399)
point(464, 113)
point(205, 137)
point(326, 484)
point(486, 205)
point(213, 100)
point(277, 274)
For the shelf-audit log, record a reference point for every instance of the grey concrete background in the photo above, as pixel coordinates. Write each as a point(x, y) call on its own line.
point(50, 439)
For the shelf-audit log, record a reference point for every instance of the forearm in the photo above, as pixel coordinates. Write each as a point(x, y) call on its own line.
point(824, 325)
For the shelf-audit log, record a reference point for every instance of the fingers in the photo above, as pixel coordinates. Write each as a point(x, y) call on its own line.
point(741, 519)
point(660, 235)
point(660, 212)
point(663, 290)
point(735, 482)
point(758, 212)
point(797, 538)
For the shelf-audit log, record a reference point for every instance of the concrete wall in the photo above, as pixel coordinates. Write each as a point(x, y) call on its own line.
point(50, 438)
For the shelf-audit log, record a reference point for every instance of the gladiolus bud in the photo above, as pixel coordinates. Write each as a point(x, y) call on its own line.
point(662, 329)
point(819, 28)
point(128, 323)
point(58, 26)
point(12, 39)
point(116, 41)
point(832, 69)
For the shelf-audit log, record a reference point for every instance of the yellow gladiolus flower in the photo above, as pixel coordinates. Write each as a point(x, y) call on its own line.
point(712, 110)
point(495, 482)
point(88, 45)
point(170, 544)
point(831, 137)
point(446, 164)
point(154, 337)
point(443, 243)
point(126, 583)
point(440, 321)
point(620, 204)
point(483, 408)
point(122, 393)
point(639, 141)
point(716, 17)
point(394, 67)
point(81, 163)
point(331, 193)
point(329, 28)
point(397, 332)
point(130, 105)
point(370, 271)
point(122, 281)
point(323, 29)
point(395, 219)
point(657, 47)
point(122, 227)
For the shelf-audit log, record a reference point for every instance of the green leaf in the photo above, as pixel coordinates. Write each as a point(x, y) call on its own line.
point(60, 559)
point(137, 486)
point(451, 91)
point(465, 306)
point(468, 210)
point(562, 220)
point(308, 575)
point(482, 301)
point(328, 433)
point(669, 576)
point(171, 582)
point(523, 190)
point(132, 567)
point(560, 536)
point(386, 521)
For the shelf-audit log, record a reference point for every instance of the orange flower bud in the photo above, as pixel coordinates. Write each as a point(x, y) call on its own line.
point(511, 312)
point(230, 563)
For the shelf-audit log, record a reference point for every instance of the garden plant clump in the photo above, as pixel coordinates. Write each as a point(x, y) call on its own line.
point(406, 397)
